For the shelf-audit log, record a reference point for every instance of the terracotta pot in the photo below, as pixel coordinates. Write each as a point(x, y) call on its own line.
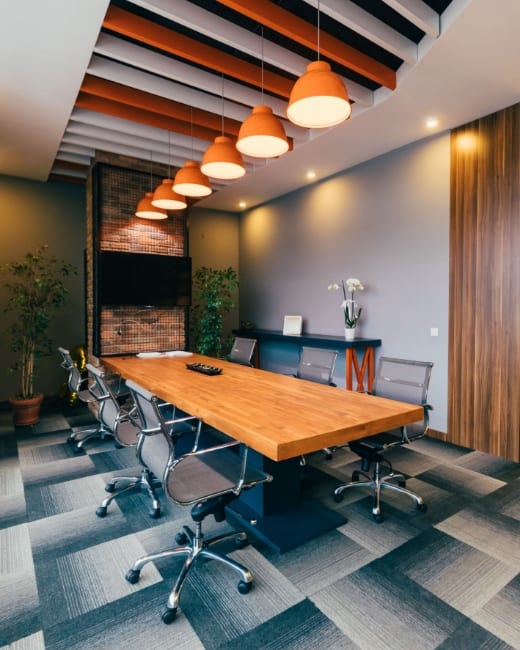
point(26, 411)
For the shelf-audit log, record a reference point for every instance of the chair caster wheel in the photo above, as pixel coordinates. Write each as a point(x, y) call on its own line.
point(78, 450)
point(168, 615)
point(241, 543)
point(422, 507)
point(338, 497)
point(244, 587)
point(101, 511)
point(181, 539)
point(117, 445)
point(355, 475)
point(378, 518)
point(155, 513)
point(71, 438)
point(132, 576)
point(328, 455)
point(110, 487)
point(401, 484)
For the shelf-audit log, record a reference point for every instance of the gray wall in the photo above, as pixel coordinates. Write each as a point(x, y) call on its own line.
point(385, 222)
point(34, 213)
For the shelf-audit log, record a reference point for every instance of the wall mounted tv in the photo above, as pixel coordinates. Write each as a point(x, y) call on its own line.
point(142, 280)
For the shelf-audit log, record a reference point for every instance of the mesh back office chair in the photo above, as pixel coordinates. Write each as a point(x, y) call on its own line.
point(406, 381)
point(80, 385)
point(317, 364)
point(208, 479)
point(115, 418)
point(242, 351)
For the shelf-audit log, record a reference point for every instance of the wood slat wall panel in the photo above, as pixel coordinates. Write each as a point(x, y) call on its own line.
point(484, 364)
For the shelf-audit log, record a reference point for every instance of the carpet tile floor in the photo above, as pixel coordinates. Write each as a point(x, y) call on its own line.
point(447, 579)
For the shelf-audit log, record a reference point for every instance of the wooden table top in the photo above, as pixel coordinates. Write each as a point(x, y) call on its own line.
point(279, 416)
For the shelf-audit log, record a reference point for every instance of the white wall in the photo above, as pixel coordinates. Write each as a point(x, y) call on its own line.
point(385, 222)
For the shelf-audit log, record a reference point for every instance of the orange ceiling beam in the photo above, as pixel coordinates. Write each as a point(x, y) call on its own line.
point(284, 22)
point(157, 120)
point(163, 38)
point(154, 104)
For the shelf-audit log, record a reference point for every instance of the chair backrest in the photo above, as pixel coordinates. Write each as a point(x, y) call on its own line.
point(242, 350)
point(74, 379)
point(317, 364)
point(112, 415)
point(403, 380)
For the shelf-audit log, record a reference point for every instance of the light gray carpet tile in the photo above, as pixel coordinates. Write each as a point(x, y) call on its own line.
point(461, 481)
point(12, 510)
point(59, 470)
point(382, 610)
point(491, 533)
point(501, 615)
point(56, 498)
point(505, 501)
point(50, 423)
point(320, 562)
point(31, 642)
point(112, 460)
point(493, 466)
point(11, 482)
point(301, 627)
point(91, 578)
point(130, 622)
point(74, 530)
point(25, 445)
point(217, 610)
point(18, 591)
point(459, 574)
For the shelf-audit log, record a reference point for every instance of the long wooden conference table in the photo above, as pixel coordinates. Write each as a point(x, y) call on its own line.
point(280, 418)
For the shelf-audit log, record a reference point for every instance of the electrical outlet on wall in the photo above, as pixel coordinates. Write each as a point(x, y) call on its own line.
point(434, 331)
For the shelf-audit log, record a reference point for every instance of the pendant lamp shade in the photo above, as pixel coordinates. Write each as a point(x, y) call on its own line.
point(190, 181)
point(319, 98)
point(222, 160)
point(145, 209)
point(164, 197)
point(262, 135)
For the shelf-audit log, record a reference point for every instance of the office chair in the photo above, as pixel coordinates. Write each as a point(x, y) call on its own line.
point(406, 381)
point(242, 351)
point(118, 420)
point(317, 364)
point(79, 384)
point(208, 479)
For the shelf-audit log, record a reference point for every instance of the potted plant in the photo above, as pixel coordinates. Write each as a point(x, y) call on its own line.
point(351, 312)
point(213, 293)
point(35, 291)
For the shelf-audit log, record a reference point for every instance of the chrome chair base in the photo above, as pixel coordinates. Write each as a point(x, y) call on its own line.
point(87, 435)
point(194, 546)
point(146, 482)
point(392, 481)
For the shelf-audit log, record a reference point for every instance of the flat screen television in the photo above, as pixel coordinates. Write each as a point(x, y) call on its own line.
point(142, 280)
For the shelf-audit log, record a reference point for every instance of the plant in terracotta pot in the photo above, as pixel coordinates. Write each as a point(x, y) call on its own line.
point(35, 291)
point(213, 293)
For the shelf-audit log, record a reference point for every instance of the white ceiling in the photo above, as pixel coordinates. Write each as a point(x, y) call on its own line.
point(471, 69)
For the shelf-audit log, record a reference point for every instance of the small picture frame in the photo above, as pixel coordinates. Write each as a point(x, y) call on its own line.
point(292, 325)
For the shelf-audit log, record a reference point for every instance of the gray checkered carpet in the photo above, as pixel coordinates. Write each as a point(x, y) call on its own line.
point(448, 578)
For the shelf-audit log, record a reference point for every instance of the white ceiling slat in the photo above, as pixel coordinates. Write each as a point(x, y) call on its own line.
point(79, 150)
point(360, 21)
point(73, 158)
point(418, 13)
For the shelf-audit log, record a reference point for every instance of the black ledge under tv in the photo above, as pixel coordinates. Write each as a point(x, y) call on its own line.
point(143, 280)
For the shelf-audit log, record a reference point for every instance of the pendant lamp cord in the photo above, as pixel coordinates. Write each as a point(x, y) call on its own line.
point(262, 33)
point(222, 103)
point(151, 164)
point(169, 155)
point(318, 30)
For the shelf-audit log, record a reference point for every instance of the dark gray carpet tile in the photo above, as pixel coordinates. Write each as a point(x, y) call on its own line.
point(83, 418)
point(506, 500)
point(8, 447)
point(320, 562)
point(49, 423)
point(56, 471)
point(382, 609)
point(112, 459)
point(443, 451)
point(460, 575)
point(73, 531)
point(501, 615)
point(36, 455)
point(493, 466)
point(301, 627)
point(130, 622)
point(460, 481)
point(472, 636)
point(20, 610)
point(490, 532)
point(12, 510)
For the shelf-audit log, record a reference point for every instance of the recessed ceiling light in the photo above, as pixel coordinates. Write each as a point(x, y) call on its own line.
point(432, 122)
point(311, 175)
point(242, 204)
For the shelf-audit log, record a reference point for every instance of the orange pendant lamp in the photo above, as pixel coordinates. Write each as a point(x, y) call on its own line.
point(166, 198)
point(222, 160)
point(190, 181)
point(146, 210)
point(319, 98)
point(262, 134)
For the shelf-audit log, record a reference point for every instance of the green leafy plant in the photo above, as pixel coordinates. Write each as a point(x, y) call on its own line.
point(213, 293)
point(36, 290)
